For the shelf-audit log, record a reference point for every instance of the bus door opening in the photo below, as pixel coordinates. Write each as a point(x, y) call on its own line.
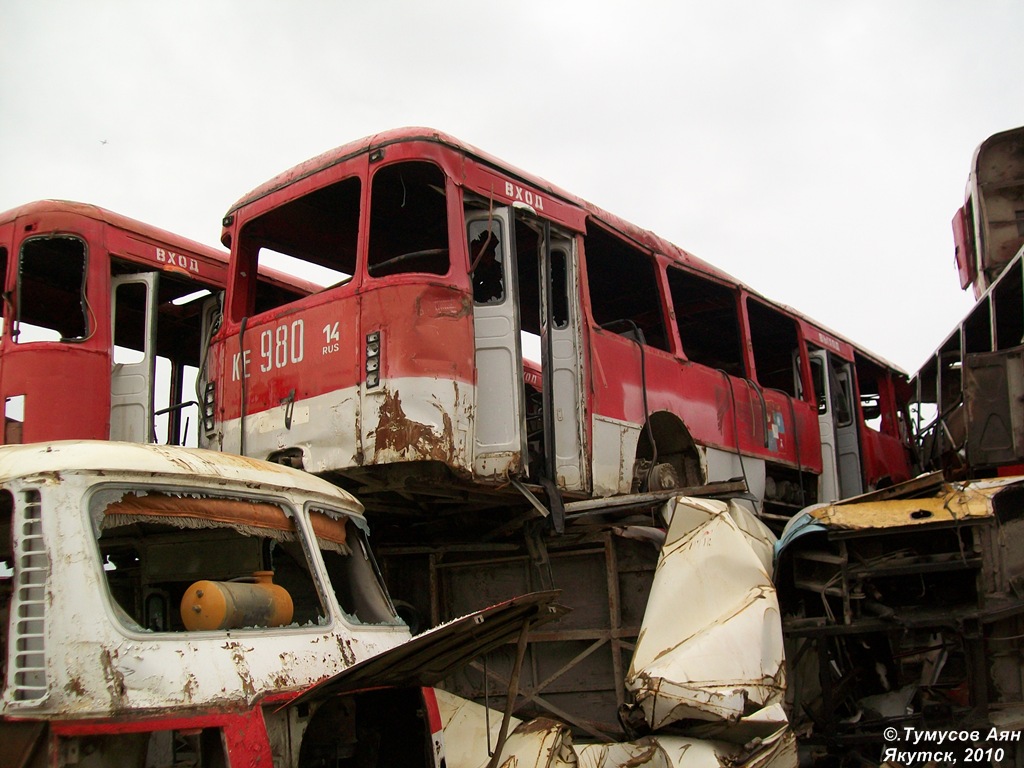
point(547, 259)
point(500, 445)
point(838, 425)
point(525, 306)
point(133, 316)
point(161, 325)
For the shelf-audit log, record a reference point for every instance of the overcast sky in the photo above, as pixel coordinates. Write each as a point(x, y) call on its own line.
point(815, 150)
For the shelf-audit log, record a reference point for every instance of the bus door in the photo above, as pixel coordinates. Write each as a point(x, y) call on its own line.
point(837, 422)
point(526, 301)
point(564, 410)
point(133, 317)
point(500, 447)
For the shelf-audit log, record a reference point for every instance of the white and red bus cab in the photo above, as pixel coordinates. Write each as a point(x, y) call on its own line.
point(406, 374)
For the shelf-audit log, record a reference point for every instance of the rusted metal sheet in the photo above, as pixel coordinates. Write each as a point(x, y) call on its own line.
point(993, 392)
point(710, 646)
point(398, 435)
point(574, 667)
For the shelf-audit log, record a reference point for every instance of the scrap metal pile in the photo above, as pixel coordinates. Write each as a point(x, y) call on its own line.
point(899, 608)
point(706, 684)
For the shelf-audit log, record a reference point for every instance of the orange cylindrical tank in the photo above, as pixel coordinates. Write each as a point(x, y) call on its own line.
point(233, 604)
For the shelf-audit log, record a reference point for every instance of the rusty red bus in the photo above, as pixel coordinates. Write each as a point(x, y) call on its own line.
point(104, 320)
point(406, 374)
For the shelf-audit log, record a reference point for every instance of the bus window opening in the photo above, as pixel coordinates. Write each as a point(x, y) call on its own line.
point(707, 317)
point(351, 569)
point(624, 294)
point(775, 343)
point(50, 298)
point(6, 302)
point(191, 562)
point(314, 237)
point(487, 259)
point(408, 221)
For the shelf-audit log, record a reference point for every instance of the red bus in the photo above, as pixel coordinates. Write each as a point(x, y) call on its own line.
point(104, 320)
point(406, 375)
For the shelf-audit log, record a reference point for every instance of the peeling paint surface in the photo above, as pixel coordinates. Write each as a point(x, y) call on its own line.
point(710, 646)
point(396, 435)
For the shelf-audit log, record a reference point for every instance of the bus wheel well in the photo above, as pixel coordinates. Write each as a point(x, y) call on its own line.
point(666, 455)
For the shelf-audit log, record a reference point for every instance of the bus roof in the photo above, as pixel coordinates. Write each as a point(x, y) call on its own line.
point(110, 459)
point(644, 238)
point(181, 244)
point(89, 211)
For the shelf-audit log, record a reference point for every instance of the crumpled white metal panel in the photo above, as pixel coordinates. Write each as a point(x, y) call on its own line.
point(778, 751)
point(471, 730)
point(710, 646)
point(544, 743)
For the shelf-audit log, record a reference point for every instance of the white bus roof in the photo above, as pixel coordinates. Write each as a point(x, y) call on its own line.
point(100, 457)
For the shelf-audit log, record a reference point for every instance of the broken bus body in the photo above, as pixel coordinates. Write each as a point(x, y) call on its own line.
point(655, 371)
point(405, 381)
point(163, 606)
point(104, 324)
point(968, 392)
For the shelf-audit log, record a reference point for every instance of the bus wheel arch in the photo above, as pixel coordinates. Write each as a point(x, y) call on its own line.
point(667, 456)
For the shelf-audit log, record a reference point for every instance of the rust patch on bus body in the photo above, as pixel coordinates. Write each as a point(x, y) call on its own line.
point(397, 434)
point(114, 678)
point(239, 658)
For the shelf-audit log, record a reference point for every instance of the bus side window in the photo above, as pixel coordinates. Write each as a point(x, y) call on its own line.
point(844, 396)
point(875, 403)
point(313, 237)
point(5, 303)
point(624, 295)
point(707, 316)
point(818, 379)
point(560, 288)
point(487, 258)
point(774, 340)
point(50, 296)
